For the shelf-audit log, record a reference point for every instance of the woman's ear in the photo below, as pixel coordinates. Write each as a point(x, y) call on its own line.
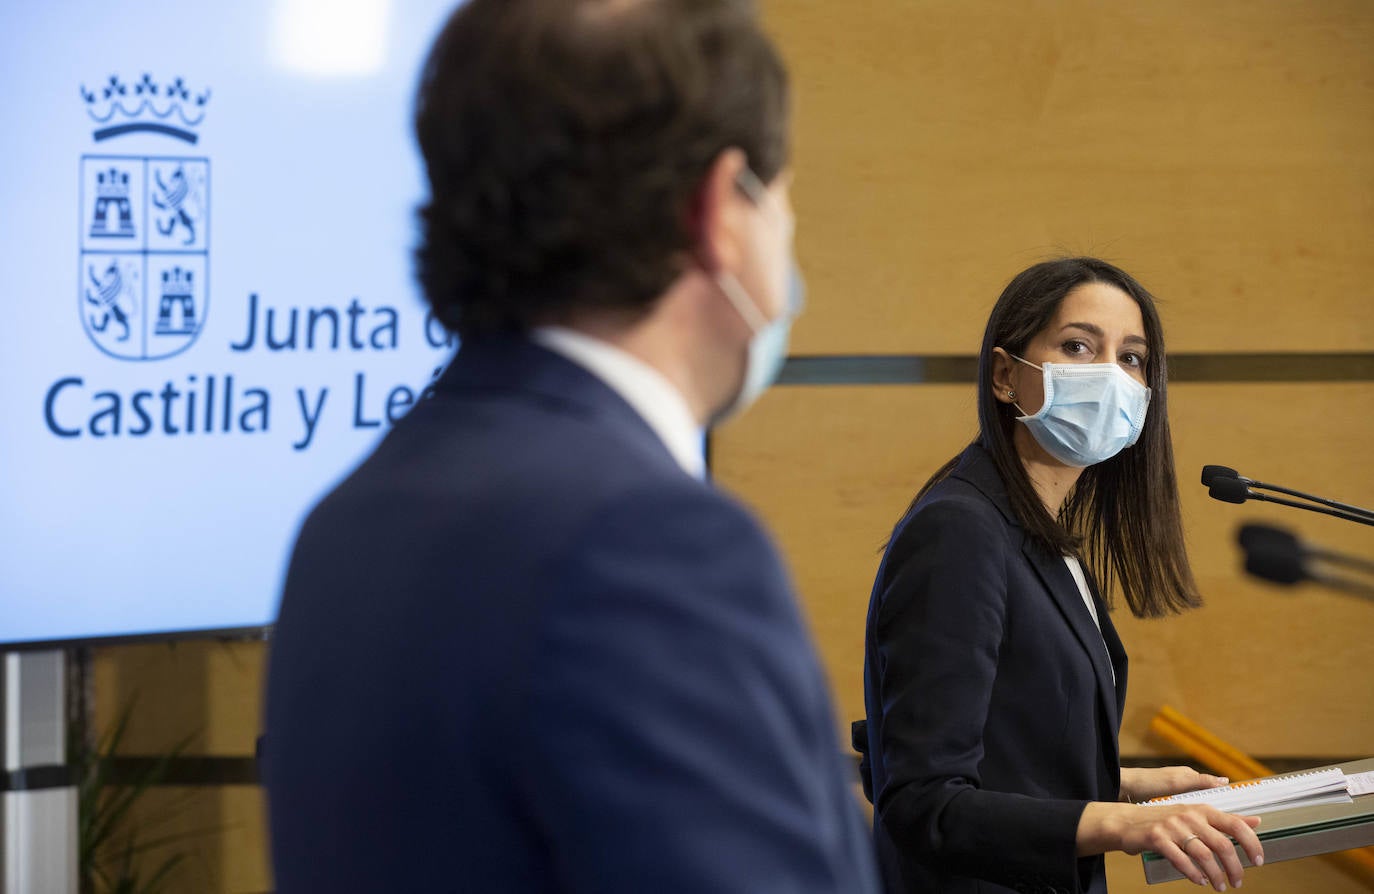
point(1003, 375)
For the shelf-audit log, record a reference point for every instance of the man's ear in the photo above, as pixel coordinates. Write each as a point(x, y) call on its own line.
point(717, 222)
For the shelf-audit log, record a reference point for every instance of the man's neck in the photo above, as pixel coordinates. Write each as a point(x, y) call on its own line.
point(657, 344)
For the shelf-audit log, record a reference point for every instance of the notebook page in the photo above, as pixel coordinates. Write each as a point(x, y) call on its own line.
point(1270, 793)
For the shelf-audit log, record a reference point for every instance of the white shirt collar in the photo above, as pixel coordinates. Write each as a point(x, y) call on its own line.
point(644, 388)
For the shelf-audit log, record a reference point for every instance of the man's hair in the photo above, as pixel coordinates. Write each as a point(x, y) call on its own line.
point(566, 142)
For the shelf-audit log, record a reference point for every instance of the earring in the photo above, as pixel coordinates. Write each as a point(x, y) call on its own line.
point(1011, 395)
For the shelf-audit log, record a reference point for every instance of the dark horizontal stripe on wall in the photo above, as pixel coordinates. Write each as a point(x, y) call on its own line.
point(1271, 367)
point(879, 369)
point(940, 369)
point(190, 771)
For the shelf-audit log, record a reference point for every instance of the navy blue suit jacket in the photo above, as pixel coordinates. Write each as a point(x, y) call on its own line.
point(521, 650)
point(992, 709)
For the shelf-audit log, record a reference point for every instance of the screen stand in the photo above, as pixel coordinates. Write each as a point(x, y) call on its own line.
point(38, 822)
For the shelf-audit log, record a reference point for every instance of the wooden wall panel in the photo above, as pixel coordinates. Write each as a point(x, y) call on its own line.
point(220, 835)
point(1219, 151)
point(210, 692)
point(831, 468)
point(1268, 668)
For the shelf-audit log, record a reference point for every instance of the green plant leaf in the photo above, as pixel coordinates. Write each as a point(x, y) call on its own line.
point(109, 849)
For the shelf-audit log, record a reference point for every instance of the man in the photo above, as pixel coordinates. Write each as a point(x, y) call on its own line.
point(525, 647)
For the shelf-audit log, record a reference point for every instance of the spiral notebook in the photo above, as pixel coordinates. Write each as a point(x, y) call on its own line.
point(1256, 796)
point(1304, 824)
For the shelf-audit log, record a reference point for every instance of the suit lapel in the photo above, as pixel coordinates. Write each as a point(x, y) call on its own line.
point(977, 468)
point(1116, 651)
point(1063, 589)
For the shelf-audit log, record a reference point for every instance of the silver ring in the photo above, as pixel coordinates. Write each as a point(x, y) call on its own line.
point(1183, 845)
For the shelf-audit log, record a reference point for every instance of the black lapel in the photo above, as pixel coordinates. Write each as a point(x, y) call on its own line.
point(977, 468)
point(1064, 590)
point(1115, 649)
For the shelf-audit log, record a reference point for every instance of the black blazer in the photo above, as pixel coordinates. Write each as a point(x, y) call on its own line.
point(993, 702)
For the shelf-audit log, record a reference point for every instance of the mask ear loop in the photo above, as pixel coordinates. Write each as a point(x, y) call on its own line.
point(1012, 394)
point(743, 304)
point(747, 182)
point(753, 189)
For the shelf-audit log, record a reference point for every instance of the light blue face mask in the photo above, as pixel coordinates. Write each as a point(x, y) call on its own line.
point(768, 344)
point(1092, 411)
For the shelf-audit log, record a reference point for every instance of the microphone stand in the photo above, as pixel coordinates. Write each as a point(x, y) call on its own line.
point(1344, 585)
point(1226, 484)
point(1278, 556)
point(1356, 516)
point(1334, 504)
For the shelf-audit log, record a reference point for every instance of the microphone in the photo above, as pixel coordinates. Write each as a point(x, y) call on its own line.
point(1232, 490)
point(1225, 484)
point(1273, 554)
point(1211, 474)
point(1278, 556)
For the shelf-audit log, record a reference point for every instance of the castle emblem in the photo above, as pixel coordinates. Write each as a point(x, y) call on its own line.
point(145, 224)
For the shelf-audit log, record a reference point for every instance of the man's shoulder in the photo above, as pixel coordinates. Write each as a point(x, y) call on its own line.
point(505, 438)
point(694, 512)
point(507, 467)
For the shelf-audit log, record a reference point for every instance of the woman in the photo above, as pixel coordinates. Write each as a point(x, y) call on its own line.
point(994, 680)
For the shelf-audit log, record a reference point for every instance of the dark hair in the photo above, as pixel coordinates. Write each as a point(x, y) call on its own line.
point(1122, 516)
point(566, 142)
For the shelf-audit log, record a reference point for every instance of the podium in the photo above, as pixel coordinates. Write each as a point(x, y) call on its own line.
point(1299, 832)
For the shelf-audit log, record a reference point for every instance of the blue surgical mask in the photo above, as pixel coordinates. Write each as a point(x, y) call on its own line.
point(1092, 411)
point(768, 344)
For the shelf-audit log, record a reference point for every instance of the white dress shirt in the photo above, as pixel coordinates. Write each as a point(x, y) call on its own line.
point(1076, 569)
point(644, 388)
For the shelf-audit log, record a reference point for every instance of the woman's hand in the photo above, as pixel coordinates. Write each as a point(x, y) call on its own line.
point(1192, 837)
point(1143, 783)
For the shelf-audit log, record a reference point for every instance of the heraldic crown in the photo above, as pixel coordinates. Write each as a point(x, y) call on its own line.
point(121, 107)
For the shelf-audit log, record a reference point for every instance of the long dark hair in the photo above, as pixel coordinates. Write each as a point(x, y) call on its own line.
point(1122, 517)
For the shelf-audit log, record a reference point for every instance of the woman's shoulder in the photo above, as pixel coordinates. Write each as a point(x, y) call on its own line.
point(953, 512)
point(955, 527)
